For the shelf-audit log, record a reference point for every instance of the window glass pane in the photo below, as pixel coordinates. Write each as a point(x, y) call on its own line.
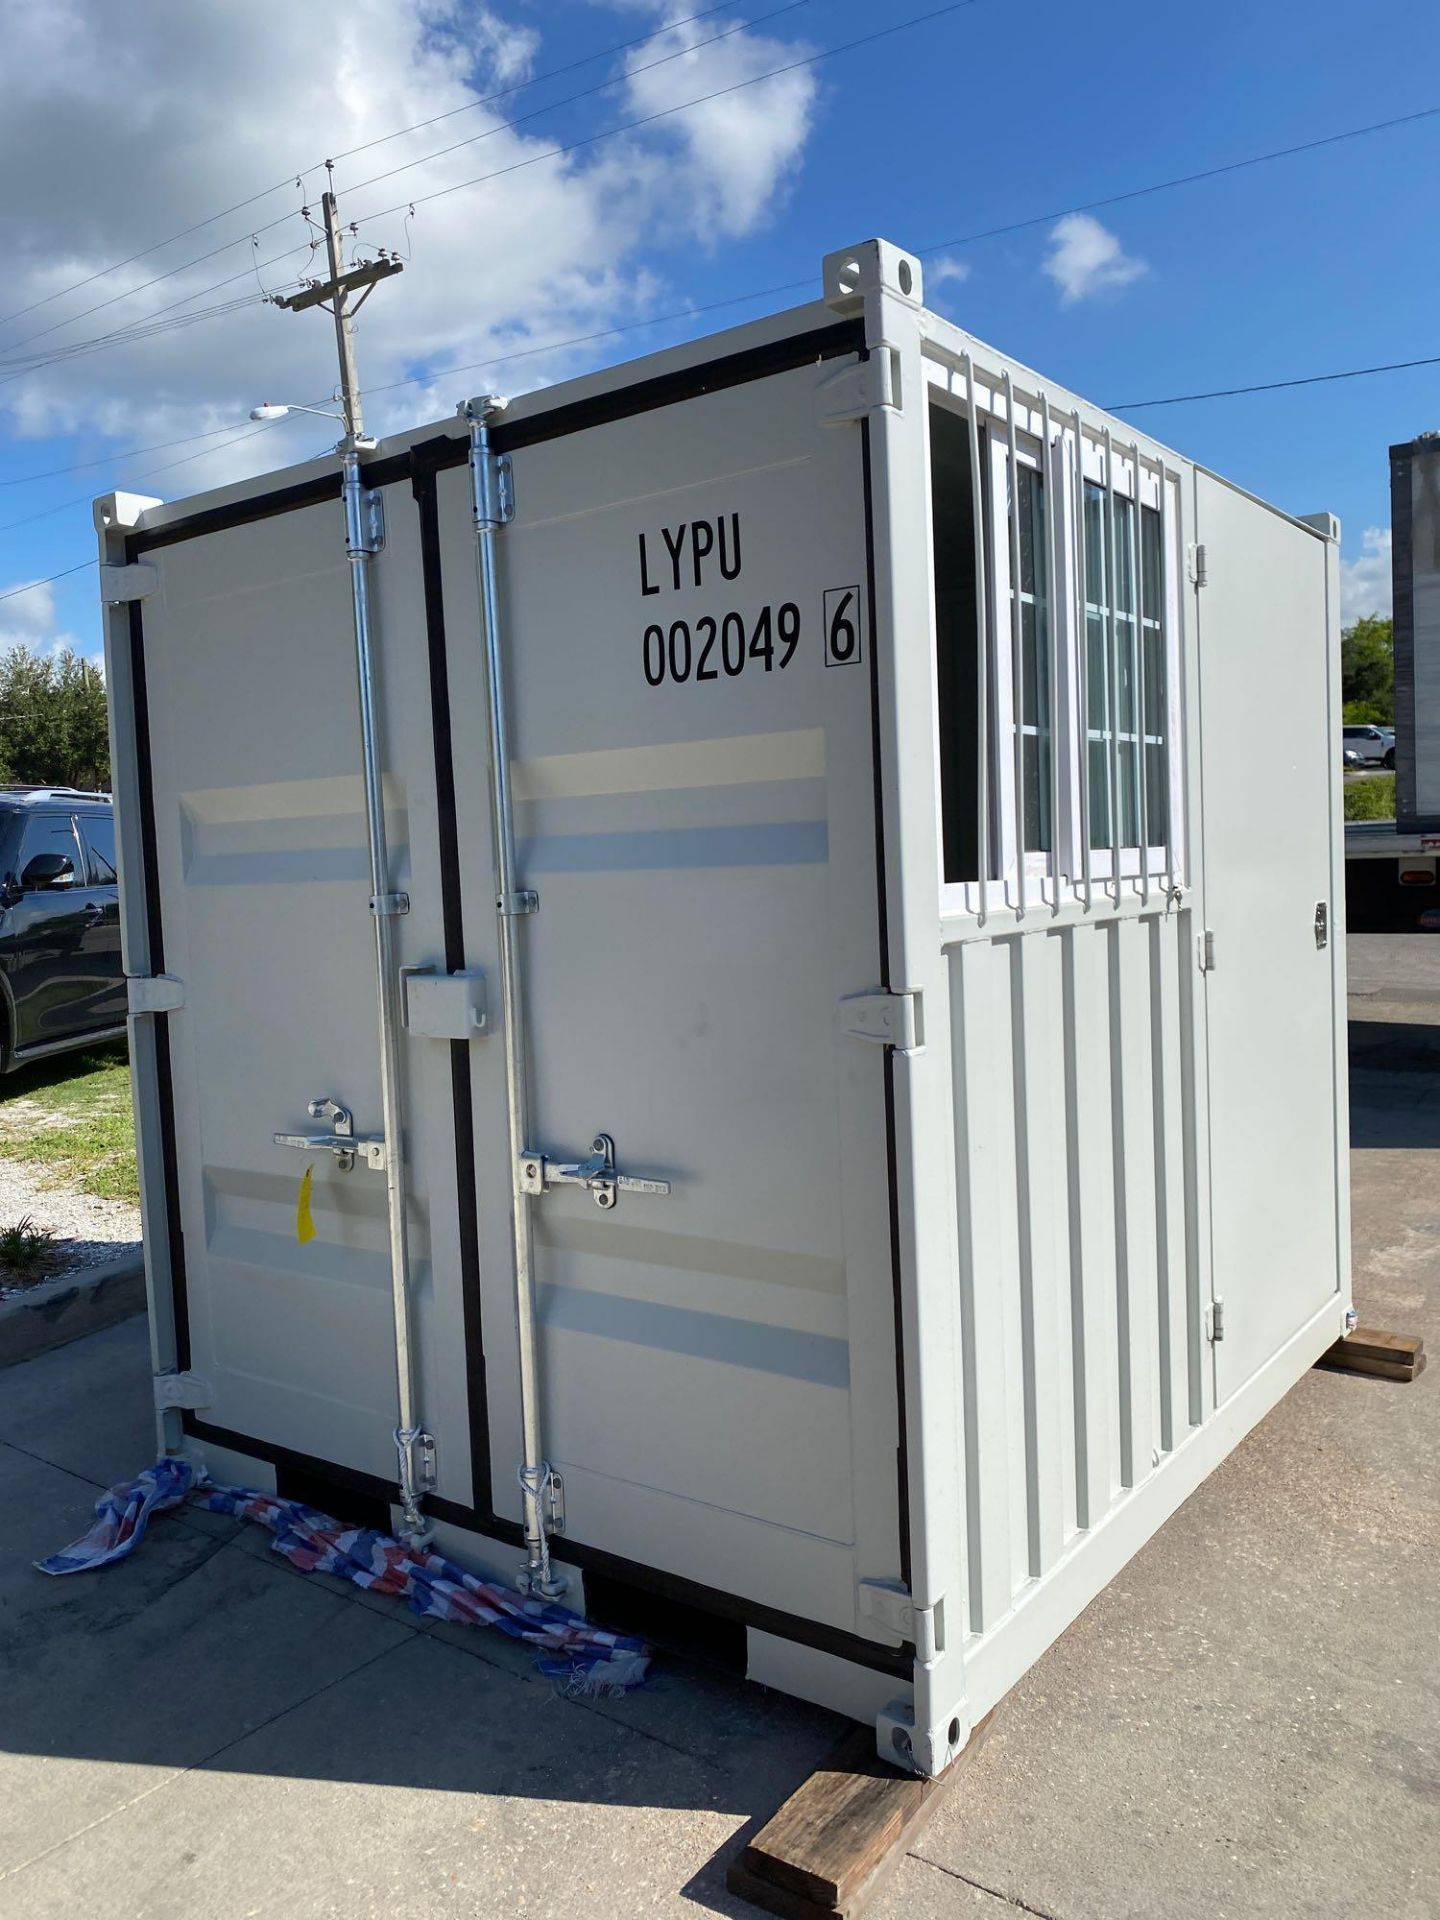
point(51, 833)
point(1096, 572)
point(1099, 793)
point(99, 831)
point(1157, 796)
point(1097, 680)
point(956, 639)
point(1155, 690)
point(1036, 751)
point(1125, 670)
point(1129, 795)
point(1123, 567)
point(1150, 559)
point(1028, 505)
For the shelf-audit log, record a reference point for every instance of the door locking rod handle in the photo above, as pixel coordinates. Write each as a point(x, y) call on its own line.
point(343, 1142)
point(536, 1173)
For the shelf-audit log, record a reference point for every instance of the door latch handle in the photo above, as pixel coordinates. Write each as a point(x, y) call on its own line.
point(343, 1141)
point(537, 1173)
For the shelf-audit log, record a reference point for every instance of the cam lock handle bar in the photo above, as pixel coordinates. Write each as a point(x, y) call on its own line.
point(342, 1141)
point(537, 1174)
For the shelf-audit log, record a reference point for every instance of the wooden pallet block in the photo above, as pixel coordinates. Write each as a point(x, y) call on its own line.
point(838, 1838)
point(1388, 1356)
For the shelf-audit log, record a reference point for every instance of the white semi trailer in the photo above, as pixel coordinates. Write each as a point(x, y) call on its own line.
point(1392, 867)
point(850, 1126)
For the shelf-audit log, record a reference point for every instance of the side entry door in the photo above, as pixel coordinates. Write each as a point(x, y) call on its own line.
point(1271, 993)
point(689, 674)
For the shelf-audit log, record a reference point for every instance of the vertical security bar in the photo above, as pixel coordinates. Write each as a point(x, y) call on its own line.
point(1017, 649)
point(1137, 594)
point(1162, 589)
point(1052, 496)
point(982, 642)
point(1083, 659)
point(413, 1446)
point(1112, 595)
point(511, 904)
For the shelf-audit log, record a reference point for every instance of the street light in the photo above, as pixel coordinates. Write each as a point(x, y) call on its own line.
point(272, 410)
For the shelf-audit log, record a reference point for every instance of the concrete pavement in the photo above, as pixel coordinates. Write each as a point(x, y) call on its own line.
point(1243, 1724)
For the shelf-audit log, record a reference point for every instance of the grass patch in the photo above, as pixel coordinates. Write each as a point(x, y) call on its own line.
point(27, 1253)
point(1370, 796)
point(73, 1119)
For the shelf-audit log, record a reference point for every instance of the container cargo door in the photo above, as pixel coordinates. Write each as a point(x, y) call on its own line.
point(1264, 655)
point(686, 631)
point(259, 904)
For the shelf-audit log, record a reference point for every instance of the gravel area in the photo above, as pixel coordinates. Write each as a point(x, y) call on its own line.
point(92, 1229)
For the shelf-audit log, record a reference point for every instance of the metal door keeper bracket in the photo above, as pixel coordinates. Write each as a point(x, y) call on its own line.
point(343, 1142)
point(536, 1174)
point(444, 1006)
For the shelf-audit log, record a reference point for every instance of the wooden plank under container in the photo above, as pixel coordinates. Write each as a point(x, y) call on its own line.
point(1388, 1356)
point(840, 1835)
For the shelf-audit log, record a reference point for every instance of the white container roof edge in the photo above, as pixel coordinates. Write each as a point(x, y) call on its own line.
point(811, 316)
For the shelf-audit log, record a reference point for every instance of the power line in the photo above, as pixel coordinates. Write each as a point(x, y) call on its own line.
point(684, 106)
point(1188, 179)
point(1274, 386)
point(586, 93)
point(553, 153)
point(47, 513)
point(48, 581)
point(128, 335)
point(1221, 393)
point(1014, 226)
point(113, 459)
point(158, 246)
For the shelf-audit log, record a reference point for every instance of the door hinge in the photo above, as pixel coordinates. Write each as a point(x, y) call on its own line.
point(889, 1604)
point(1205, 951)
point(1322, 924)
point(858, 390)
point(181, 1390)
point(1215, 1320)
point(892, 1019)
point(121, 584)
point(1195, 564)
point(154, 993)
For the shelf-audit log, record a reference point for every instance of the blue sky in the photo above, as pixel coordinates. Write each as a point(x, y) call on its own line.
point(995, 113)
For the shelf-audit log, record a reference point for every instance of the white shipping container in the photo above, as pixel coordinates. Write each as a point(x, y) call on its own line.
point(875, 871)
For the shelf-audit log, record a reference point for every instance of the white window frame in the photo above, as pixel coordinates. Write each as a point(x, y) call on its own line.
point(1012, 883)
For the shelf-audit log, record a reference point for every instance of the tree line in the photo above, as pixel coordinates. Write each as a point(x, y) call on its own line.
point(1367, 672)
point(53, 726)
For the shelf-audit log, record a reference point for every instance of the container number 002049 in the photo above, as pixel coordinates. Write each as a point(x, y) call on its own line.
point(707, 648)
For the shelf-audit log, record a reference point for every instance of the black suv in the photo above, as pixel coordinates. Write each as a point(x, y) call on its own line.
point(61, 980)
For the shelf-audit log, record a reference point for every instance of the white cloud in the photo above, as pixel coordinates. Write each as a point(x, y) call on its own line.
point(1365, 581)
point(195, 108)
point(27, 619)
point(945, 268)
point(1086, 259)
point(735, 153)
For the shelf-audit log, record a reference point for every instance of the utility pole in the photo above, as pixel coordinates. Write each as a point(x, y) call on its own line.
point(337, 290)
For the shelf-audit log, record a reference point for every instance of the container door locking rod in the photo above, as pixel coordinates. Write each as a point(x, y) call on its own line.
point(492, 502)
point(364, 538)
